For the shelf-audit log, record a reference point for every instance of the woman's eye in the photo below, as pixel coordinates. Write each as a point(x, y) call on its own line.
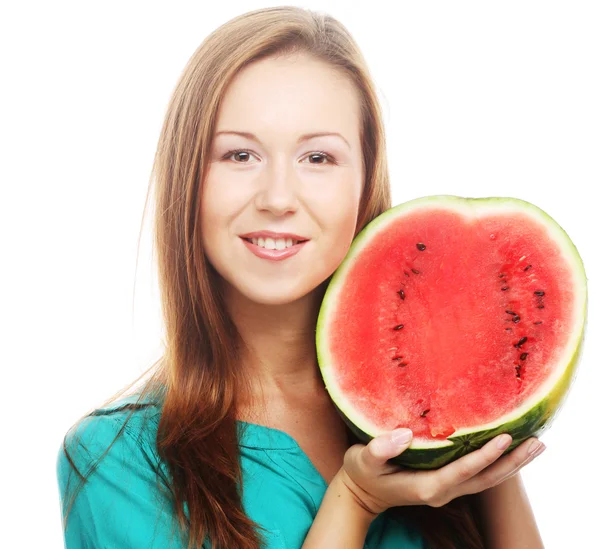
point(327, 158)
point(237, 152)
point(243, 155)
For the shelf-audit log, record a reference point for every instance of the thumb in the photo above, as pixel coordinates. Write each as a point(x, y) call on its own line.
point(386, 446)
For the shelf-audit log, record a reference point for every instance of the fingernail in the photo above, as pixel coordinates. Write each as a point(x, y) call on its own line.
point(539, 450)
point(504, 442)
point(534, 447)
point(402, 436)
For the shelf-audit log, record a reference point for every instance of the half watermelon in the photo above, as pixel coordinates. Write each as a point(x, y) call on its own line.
point(459, 318)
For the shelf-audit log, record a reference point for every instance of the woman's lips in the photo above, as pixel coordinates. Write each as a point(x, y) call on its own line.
point(273, 235)
point(274, 255)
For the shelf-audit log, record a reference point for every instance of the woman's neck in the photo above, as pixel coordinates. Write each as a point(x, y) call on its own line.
point(279, 353)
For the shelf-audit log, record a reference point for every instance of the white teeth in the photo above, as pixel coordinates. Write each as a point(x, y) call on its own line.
point(274, 244)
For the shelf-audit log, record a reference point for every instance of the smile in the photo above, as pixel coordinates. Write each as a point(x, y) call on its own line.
point(274, 243)
point(274, 249)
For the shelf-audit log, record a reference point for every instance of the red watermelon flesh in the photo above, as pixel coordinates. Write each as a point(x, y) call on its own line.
point(450, 318)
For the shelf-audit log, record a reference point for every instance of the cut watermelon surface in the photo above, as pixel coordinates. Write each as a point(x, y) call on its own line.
point(458, 318)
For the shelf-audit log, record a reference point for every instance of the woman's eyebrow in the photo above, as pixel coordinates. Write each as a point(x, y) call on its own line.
point(302, 138)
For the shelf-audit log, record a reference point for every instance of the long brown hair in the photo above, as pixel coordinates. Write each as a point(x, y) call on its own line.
point(197, 377)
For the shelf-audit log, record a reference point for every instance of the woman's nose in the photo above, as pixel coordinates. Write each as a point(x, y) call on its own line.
point(278, 190)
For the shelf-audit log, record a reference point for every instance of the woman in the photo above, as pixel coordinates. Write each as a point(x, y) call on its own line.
point(271, 159)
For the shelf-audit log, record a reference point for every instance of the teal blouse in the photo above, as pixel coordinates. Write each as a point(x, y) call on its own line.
point(121, 505)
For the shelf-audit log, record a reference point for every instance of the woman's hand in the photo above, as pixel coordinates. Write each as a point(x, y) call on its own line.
point(378, 485)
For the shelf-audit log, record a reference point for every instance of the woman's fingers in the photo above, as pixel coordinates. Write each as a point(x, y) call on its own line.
point(368, 470)
point(504, 468)
point(468, 466)
point(384, 447)
point(364, 462)
point(482, 469)
point(380, 484)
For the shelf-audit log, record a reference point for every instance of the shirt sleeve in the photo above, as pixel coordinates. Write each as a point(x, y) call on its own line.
point(122, 504)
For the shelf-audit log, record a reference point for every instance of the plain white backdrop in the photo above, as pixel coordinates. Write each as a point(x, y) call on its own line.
point(480, 99)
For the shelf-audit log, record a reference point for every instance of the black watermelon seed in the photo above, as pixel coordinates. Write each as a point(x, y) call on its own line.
point(516, 319)
point(509, 329)
point(539, 292)
point(424, 412)
point(540, 306)
point(399, 327)
point(528, 267)
point(510, 312)
point(523, 356)
point(504, 288)
point(402, 294)
point(415, 271)
point(538, 322)
point(406, 273)
point(501, 275)
point(521, 341)
point(398, 357)
point(402, 364)
point(421, 246)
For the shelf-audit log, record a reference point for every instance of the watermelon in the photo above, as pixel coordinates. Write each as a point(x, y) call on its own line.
point(459, 318)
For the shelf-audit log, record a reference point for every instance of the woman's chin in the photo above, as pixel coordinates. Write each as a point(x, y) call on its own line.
point(277, 296)
point(276, 293)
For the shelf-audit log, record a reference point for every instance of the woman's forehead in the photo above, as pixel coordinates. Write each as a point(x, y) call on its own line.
point(283, 95)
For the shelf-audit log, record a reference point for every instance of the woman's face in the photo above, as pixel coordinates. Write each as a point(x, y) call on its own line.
point(283, 187)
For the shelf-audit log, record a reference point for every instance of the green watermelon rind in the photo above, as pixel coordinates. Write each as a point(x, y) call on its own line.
point(533, 421)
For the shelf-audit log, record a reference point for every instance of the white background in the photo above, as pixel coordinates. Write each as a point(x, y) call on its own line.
point(480, 99)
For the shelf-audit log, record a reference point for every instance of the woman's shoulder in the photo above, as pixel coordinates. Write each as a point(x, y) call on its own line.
point(114, 449)
point(128, 424)
point(128, 418)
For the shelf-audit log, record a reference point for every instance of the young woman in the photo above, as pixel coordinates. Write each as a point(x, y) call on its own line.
point(271, 159)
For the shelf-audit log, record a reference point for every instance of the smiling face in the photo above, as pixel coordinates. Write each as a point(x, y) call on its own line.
point(282, 186)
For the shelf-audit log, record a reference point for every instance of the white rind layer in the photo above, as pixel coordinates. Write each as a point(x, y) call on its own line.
point(474, 208)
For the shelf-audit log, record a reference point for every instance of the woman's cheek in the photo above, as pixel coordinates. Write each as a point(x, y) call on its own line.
point(340, 228)
point(224, 193)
